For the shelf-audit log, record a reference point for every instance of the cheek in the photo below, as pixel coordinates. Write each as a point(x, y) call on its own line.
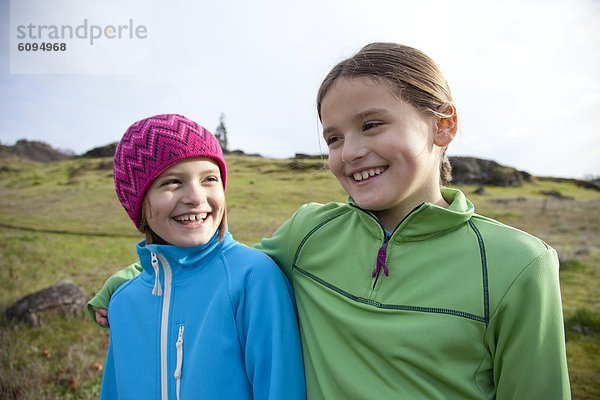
point(334, 162)
point(217, 197)
point(152, 215)
point(157, 204)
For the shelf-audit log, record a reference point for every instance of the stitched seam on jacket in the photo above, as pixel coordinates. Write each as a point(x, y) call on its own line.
point(390, 306)
point(484, 273)
point(309, 234)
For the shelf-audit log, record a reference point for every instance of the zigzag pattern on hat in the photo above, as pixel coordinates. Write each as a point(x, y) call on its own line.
point(152, 145)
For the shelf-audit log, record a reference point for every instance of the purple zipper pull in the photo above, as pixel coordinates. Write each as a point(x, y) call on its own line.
point(381, 255)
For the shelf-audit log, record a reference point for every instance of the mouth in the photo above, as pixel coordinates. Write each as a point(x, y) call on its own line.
point(367, 174)
point(191, 219)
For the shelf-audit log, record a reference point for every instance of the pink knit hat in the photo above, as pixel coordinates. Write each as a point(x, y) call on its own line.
point(152, 145)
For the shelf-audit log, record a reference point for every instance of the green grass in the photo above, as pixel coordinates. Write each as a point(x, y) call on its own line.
point(75, 229)
point(584, 321)
point(61, 360)
point(583, 357)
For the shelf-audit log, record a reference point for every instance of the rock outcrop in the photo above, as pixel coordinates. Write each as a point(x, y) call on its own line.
point(34, 151)
point(64, 298)
point(476, 171)
point(102, 151)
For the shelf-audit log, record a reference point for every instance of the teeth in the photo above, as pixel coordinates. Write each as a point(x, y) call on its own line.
point(359, 176)
point(191, 217)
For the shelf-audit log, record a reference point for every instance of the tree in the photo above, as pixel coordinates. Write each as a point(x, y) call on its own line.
point(221, 133)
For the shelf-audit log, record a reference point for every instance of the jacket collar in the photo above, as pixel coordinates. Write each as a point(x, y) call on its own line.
point(428, 219)
point(182, 260)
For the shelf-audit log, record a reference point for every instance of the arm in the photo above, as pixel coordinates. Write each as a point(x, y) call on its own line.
point(279, 245)
point(268, 330)
point(102, 298)
point(528, 342)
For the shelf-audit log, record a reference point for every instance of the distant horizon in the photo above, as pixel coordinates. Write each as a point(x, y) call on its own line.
point(69, 152)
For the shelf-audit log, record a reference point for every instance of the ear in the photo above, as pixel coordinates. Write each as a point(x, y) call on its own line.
point(446, 127)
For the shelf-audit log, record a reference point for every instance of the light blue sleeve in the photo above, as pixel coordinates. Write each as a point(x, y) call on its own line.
point(268, 329)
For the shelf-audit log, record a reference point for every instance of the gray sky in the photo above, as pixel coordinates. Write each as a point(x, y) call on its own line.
point(525, 74)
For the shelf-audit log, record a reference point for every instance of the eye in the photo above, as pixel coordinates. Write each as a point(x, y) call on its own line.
point(211, 178)
point(170, 182)
point(371, 124)
point(331, 139)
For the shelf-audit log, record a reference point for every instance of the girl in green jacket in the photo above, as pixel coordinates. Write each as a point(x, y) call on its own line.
point(404, 291)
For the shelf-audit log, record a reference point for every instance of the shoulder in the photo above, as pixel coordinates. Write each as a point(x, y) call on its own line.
point(508, 253)
point(500, 237)
point(126, 291)
point(307, 219)
point(318, 210)
point(243, 256)
point(251, 272)
point(517, 267)
point(311, 215)
point(243, 261)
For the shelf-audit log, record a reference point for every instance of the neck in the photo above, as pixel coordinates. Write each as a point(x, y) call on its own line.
point(392, 217)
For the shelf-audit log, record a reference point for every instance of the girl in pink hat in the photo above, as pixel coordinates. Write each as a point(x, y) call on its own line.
point(207, 317)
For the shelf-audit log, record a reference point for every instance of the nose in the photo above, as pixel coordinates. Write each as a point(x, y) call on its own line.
point(353, 149)
point(194, 194)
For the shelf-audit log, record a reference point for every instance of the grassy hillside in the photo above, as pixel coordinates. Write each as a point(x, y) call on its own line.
point(72, 227)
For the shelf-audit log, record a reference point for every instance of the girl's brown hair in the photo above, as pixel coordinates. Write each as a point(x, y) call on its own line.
point(414, 76)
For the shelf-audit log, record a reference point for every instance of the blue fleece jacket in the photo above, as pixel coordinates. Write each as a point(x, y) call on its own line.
point(210, 322)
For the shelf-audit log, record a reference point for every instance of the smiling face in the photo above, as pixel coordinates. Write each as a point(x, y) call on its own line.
point(186, 203)
point(384, 152)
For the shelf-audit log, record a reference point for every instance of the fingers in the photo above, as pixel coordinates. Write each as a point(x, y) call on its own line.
point(102, 316)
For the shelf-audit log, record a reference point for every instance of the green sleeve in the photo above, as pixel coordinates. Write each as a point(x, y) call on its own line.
point(280, 246)
point(101, 299)
point(526, 335)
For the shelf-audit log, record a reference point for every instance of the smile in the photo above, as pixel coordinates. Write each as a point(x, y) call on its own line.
point(367, 173)
point(191, 218)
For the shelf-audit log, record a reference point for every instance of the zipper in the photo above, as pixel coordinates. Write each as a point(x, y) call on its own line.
point(164, 325)
point(381, 260)
point(380, 263)
point(179, 347)
point(156, 290)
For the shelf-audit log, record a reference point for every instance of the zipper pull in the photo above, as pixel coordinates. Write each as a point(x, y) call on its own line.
point(157, 289)
point(380, 263)
point(177, 374)
point(179, 347)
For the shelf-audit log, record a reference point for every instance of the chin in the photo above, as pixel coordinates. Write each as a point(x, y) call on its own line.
point(194, 242)
point(189, 241)
point(367, 203)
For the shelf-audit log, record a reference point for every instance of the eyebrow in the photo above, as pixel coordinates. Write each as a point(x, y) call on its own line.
point(327, 131)
point(361, 116)
point(177, 173)
point(373, 111)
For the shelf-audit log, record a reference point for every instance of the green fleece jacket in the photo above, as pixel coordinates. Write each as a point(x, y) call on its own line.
point(452, 306)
